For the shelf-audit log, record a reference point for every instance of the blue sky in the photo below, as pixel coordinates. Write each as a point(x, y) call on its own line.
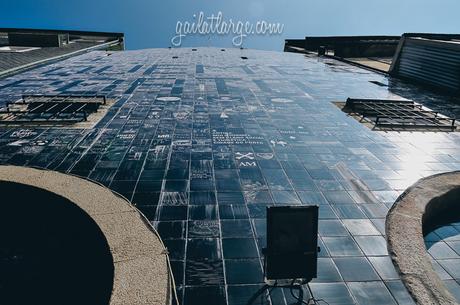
point(152, 23)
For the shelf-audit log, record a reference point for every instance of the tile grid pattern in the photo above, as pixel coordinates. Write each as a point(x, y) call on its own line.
point(202, 143)
point(443, 245)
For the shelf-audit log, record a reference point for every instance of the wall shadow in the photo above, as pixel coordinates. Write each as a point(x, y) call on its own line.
point(51, 251)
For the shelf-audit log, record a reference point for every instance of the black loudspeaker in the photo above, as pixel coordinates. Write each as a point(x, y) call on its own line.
point(292, 242)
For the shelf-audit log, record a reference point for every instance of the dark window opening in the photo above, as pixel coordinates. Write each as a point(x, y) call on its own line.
point(378, 83)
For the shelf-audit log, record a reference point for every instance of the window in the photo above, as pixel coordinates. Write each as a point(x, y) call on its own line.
point(398, 115)
point(52, 109)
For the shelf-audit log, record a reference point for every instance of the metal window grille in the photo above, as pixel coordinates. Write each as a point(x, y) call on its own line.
point(399, 114)
point(51, 109)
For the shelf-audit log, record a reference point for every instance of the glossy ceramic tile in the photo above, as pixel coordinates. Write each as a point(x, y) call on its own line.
point(202, 142)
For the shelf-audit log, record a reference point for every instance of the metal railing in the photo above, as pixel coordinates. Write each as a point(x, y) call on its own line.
point(399, 114)
point(44, 108)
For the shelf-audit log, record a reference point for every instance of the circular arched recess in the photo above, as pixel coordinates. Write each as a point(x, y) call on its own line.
point(77, 242)
point(429, 203)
